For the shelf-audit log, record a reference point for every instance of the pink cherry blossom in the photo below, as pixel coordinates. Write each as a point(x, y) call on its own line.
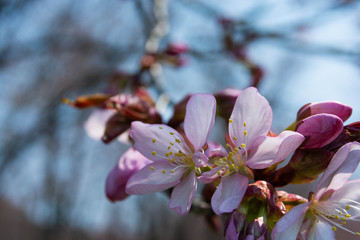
point(177, 159)
point(250, 147)
point(130, 162)
point(335, 202)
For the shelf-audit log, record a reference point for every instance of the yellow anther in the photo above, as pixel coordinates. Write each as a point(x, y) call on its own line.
point(167, 154)
point(171, 143)
point(171, 133)
point(152, 168)
point(160, 127)
point(340, 213)
point(230, 120)
point(171, 153)
point(154, 140)
point(172, 171)
point(169, 147)
point(336, 216)
point(218, 173)
point(244, 124)
point(236, 149)
point(153, 153)
point(163, 171)
point(334, 228)
point(243, 145)
point(347, 207)
point(227, 145)
point(245, 132)
point(235, 138)
point(173, 159)
point(347, 215)
point(343, 218)
point(177, 140)
point(343, 223)
point(357, 233)
point(231, 154)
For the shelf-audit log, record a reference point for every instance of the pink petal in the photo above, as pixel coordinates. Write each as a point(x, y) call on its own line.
point(321, 231)
point(199, 118)
point(336, 108)
point(230, 233)
point(130, 162)
point(254, 110)
point(287, 228)
point(340, 169)
point(215, 150)
point(200, 159)
point(147, 180)
point(350, 190)
point(183, 194)
point(210, 176)
point(156, 139)
point(95, 124)
point(229, 193)
point(320, 129)
point(267, 151)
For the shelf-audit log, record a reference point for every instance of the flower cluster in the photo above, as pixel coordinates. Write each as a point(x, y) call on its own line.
point(242, 177)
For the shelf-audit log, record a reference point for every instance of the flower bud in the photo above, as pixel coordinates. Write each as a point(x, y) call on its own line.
point(319, 130)
point(130, 162)
point(335, 108)
point(129, 107)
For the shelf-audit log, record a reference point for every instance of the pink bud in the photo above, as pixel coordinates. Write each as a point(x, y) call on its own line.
point(319, 130)
point(130, 162)
point(177, 48)
point(341, 110)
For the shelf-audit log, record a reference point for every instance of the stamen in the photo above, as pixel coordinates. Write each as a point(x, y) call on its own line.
point(230, 120)
point(169, 147)
point(161, 128)
point(177, 140)
point(334, 228)
point(235, 138)
point(172, 171)
point(245, 132)
point(154, 140)
point(152, 168)
point(171, 133)
point(243, 145)
point(153, 153)
point(244, 124)
point(163, 171)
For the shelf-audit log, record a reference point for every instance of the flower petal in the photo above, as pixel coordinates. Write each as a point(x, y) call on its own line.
point(267, 151)
point(130, 162)
point(287, 228)
point(229, 193)
point(340, 169)
point(253, 110)
point(200, 159)
point(321, 231)
point(319, 129)
point(183, 194)
point(336, 108)
point(148, 180)
point(210, 176)
point(95, 124)
point(215, 150)
point(155, 140)
point(349, 191)
point(199, 119)
point(230, 231)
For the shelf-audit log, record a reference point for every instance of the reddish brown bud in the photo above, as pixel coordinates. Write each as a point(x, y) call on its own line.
point(94, 100)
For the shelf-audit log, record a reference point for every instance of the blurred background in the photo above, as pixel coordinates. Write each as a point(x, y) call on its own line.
point(52, 174)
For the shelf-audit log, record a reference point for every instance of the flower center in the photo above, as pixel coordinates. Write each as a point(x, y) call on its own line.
point(336, 213)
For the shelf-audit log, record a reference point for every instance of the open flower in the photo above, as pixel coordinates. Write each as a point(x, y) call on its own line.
point(250, 147)
point(177, 159)
point(336, 201)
